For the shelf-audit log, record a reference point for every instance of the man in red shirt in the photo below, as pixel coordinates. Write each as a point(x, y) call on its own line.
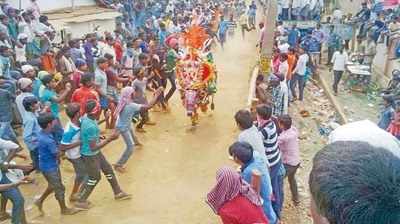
point(86, 92)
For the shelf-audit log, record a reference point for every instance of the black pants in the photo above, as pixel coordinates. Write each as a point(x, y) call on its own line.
point(291, 174)
point(331, 51)
point(337, 76)
point(145, 118)
point(171, 77)
point(95, 164)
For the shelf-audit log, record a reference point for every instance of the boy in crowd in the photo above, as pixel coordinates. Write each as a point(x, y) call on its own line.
point(49, 157)
point(100, 79)
point(93, 158)
point(70, 143)
point(269, 132)
point(250, 163)
point(31, 128)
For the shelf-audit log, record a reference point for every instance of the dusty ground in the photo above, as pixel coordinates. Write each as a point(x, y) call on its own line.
point(171, 175)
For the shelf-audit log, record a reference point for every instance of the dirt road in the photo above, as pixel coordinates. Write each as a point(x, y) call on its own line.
point(171, 175)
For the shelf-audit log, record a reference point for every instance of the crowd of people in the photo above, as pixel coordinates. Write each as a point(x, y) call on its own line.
point(98, 78)
point(267, 148)
point(107, 78)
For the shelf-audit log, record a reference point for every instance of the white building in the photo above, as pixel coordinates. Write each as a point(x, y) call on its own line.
point(73, 18)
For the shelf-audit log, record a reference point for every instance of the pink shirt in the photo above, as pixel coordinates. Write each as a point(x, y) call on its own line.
point(289, 146)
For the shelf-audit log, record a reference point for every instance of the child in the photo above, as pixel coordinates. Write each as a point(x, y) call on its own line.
point(387, 113)
point(49, 157)
point(140, 85)
point(81, 68)
point(125, 111)
point(49, 98)
point(394, 127)
point(289, 145)
point(71, 145)
point(31, 128)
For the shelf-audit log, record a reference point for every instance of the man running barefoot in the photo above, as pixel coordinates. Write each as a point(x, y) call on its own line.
point(49, 157)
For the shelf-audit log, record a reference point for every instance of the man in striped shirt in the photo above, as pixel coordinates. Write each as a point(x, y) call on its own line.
point(269, 131)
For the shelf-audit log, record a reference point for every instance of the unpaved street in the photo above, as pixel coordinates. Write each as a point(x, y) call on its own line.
point(171, 175)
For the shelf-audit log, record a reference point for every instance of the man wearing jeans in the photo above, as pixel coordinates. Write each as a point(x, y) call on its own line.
point(7, 97)
point(93, 158)
point(299, 74)
point(9, 190)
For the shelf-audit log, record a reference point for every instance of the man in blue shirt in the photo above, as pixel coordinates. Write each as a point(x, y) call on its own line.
point(294, 36)
point(31, 128)
point(49, 164)
point(251, 164)
point(94, 159)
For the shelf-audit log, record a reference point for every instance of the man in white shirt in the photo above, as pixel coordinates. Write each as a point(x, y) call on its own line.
point(249, 133)
point(284, 47)
point(299, 74)
point(339, 61)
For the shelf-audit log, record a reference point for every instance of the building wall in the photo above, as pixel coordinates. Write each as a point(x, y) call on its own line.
point(50, 5)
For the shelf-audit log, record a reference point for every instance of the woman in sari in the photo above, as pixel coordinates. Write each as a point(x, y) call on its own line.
point(234, 200)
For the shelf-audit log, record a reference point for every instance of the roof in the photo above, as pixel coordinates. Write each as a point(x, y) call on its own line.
point(61, 18)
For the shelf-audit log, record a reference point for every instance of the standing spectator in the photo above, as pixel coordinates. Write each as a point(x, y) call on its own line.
point(346, 184)
point(75, 50)
point(234, 200)
point(299, 74)
point(369, 51)
point(294, 36)
point(269, 132)
point(20, 49)
point(289, 145)
point(49, 157)
point(387, 112)
point(249, 133)
point(334, 42)
point(251, 163)
point(319, 36)
point(394, 127)
point(339, 61)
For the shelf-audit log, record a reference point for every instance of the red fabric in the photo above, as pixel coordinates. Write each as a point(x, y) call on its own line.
point(83, 95)
point(241, 211)
point(111, 78)
point(76, 78)
point(119, 51)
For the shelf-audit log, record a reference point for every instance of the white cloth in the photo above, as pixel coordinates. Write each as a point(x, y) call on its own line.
point(339, 61)
point(21, 109)
point(20, 54)
point(301, 66)
point(284, 48)
point(285, 4)
point(366, 131)
point(285, 93)
point(283, 69)
point(107, 49)
point(255, 139)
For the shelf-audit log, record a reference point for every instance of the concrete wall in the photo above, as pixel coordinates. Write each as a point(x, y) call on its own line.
point(50, 5)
